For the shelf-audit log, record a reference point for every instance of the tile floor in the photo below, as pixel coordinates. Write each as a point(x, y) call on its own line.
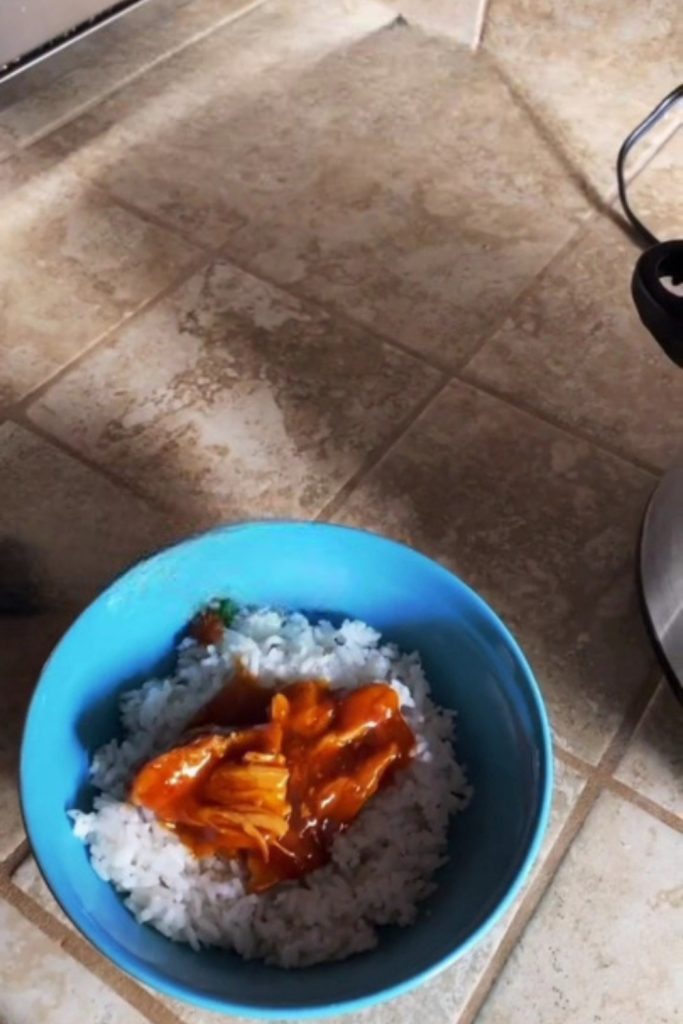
point(293, 258)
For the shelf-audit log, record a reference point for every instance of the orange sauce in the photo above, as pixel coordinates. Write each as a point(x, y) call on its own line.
point(273, 777)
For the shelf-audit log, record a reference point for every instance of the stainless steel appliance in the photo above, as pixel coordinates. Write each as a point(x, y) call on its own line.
point(31, 30)
point(658, 294)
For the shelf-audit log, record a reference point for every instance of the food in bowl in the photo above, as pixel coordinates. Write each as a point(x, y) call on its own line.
point(284, 792)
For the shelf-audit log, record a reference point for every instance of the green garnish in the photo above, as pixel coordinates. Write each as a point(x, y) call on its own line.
point(227, 610)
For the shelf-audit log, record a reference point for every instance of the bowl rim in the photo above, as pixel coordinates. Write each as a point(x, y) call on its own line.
point(129, 963)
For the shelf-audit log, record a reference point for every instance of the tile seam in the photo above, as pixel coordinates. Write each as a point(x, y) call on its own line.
point(80, 950)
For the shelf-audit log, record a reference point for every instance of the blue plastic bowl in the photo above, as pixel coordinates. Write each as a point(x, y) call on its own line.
point(474, 666)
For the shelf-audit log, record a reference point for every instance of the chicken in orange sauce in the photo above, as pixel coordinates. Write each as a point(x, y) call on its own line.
point(275, 776)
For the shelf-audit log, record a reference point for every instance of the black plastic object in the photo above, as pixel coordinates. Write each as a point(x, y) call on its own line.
point(660, 309)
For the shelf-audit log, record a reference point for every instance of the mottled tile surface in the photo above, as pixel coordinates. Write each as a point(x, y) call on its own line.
point(653, 762)
point(39, 982)
point(65, 531)
point(28, 878)
point(589, 71)
point(76, 78)
point(545, 528)
point(73, 263)
point(234, 400)
point(606, 944)
point(440, 1000)
point(574, 347)
point(427, 237)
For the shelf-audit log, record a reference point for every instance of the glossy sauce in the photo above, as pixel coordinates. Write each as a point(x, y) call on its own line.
point(274, 777)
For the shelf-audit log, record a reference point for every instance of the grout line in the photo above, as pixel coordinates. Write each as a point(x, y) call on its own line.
point(149, 216)
point(341, 316)
point(333, 505)
point(637, 169)
point(78, 111)
point(11, 862)
point(75, 946)
point(100, 468)
point(576, 434)
point(634, 712)
point(597, 781)
point(545, 131)
point(652, 808)
point(601, 202)
point(221, 251)
point(530, 901)
point(621, 789)
point(19, 407)
point(572, 761)
point(572, 241)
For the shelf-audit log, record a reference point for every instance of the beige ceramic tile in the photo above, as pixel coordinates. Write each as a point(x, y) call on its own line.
point(39, 982)
point(653, 762)
point(606, 944)
point(438, 1001)
point(381, 179)
point(590, 71)
point(545, 528)
point(574, 347)
point(72, 264)
point(28, 878)
point(79, 76)
point(233, 400)
point(64, 533)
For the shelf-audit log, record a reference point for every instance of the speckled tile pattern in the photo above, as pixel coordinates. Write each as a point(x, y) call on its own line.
point(606, 943)
point(574, 347)
point(59, 553)
point(589, 71)
point(28, 878)
point(653, 762)
point(73, 264)
point(234, 399)
point(39, 982)
point(53, 91)
point(544, 527)
point(440, 1000)
point(300, 192)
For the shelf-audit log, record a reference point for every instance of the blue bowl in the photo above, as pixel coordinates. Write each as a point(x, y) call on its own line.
point(473, 663)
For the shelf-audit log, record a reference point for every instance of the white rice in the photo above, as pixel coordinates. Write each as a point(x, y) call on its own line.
point(381, 867)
